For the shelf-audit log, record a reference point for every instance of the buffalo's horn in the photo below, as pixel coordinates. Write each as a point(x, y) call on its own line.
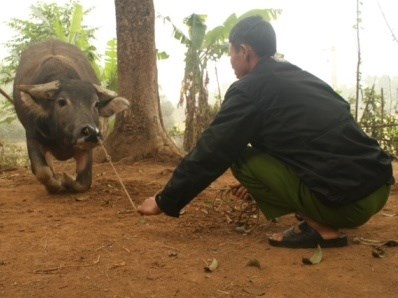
point(42, 91)
point(105, 94)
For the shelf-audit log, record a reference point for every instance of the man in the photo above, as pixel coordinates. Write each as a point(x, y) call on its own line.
point(291, 142)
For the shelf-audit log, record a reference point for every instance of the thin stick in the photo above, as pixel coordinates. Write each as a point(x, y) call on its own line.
point(2, 92)
point(108, 158)
point(49, 270)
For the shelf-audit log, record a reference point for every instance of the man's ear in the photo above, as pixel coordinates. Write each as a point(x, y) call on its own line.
point(243, 48)
point(247, 51)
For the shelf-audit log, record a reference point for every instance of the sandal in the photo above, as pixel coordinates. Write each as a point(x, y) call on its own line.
point(307, 238)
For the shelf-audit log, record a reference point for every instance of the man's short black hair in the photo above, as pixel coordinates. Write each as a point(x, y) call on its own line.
point(255, 32)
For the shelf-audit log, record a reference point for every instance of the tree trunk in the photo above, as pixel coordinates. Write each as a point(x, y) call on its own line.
point(139, 131)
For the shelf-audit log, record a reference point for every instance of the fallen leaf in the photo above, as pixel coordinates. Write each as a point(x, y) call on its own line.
point(204, 211)
point(123, 263)
point(240, 229)
point(391, 243)
point(315, 259)
point(82, 198)
point(255, 292)
point(387, 214)
point(212, 266)
point(229, 220)
point(378, 252)
point(166, 172)
point(254, 263)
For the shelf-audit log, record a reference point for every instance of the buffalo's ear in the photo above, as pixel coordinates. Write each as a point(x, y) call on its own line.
point(113, 106)
point(41, 91)
point(32, 106)
point(111, 103)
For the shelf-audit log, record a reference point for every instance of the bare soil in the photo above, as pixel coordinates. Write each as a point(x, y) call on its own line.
point(95, 245)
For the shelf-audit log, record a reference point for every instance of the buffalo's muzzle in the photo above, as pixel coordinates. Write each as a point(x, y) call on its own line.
point(91, 134)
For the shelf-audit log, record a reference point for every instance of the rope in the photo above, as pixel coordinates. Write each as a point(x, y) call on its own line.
point(108, 158)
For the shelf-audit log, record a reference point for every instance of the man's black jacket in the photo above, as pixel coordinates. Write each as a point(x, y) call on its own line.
point(298, 119)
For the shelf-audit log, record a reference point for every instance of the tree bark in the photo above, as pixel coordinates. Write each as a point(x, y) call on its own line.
point(139, 131)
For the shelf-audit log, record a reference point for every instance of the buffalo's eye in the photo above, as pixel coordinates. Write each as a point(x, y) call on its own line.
point(62, 102)
point(97, 104)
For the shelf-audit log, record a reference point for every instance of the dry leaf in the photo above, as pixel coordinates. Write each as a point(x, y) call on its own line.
point(391, 243)
point(82, 198)
point(378, 252)
point(254, 263)
point(315, 259)
point(212, 266)
point(123, 263)
point(255, 292)
point(389, 214)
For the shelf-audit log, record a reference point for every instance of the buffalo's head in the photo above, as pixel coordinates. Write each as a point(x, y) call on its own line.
point(71, 109)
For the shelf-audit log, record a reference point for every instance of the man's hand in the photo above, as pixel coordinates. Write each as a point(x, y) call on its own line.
point(239, 191)
point(149, 207)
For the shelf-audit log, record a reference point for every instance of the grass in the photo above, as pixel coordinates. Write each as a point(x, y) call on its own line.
point(13, 155)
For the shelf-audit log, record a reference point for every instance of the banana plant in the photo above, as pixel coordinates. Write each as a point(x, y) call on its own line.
point(203, 46)
point(109, 76)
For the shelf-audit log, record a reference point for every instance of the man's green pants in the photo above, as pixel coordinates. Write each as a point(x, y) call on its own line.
point(278, 191)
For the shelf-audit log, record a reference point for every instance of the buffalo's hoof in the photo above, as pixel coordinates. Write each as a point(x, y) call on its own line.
point(72, 185)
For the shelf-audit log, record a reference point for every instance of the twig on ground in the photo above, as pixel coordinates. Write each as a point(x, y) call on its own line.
point(372, 242)
point(242, 213)
point(105, 245)
point(59, 268)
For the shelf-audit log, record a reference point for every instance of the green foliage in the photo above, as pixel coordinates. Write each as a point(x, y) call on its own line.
point(216, 40)
point(109, 76)
point(377, 123)
point(203, 46)
point(214, 43)
point(12, 132)
point(7, 114)
point(175, 132)
point(13, 152)
point(167, 109)
point(48, 21)
point(13, 155)
point(60, 22)
point(161, 55)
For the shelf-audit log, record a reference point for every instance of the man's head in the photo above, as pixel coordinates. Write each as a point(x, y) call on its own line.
point(251, 39)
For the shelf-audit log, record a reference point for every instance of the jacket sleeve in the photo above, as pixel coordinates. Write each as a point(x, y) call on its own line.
point(218, 147)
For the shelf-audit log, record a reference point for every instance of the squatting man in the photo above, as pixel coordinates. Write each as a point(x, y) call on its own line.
point(292, 144)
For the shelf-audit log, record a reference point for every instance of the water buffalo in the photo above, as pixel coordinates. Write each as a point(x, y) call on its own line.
point(58, 100)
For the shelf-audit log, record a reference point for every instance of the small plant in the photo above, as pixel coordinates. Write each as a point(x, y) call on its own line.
point(12, 156)
point(7, 112)
point(377, 123)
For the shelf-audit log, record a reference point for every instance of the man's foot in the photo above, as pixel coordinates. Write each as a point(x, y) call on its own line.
point(305, 236)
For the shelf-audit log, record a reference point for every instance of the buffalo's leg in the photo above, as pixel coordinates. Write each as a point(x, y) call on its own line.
point(84, 163)
point(41, 168)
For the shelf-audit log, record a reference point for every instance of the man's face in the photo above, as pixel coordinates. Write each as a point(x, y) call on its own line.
point(238, 59)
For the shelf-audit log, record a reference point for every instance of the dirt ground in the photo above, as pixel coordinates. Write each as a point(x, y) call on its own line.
point(95, 245)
